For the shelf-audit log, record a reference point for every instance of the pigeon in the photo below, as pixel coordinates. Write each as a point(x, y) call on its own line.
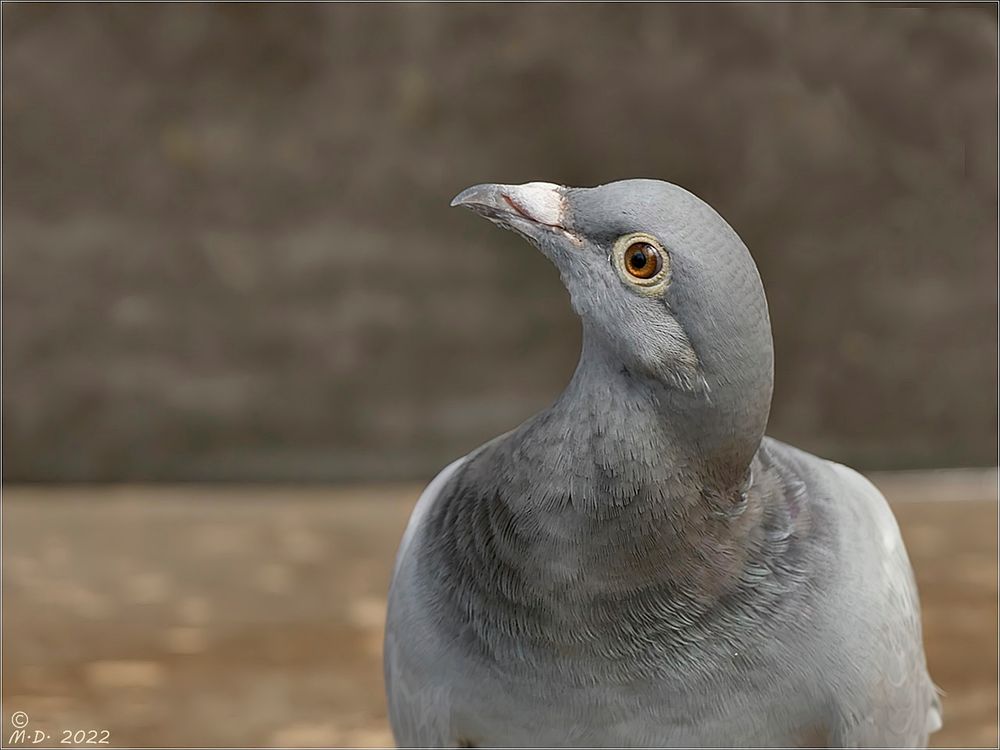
point(638, 565)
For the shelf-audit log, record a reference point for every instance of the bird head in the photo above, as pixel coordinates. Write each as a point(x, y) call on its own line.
point(667, 292)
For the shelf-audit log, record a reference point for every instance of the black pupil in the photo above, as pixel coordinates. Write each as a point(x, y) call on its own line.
point(638, 258)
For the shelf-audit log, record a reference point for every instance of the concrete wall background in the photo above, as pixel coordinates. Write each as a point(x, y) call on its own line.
point(227, 252)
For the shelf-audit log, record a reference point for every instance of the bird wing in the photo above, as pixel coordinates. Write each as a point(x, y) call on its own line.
point(424, 504)
point(418, 712)
point(902, 707)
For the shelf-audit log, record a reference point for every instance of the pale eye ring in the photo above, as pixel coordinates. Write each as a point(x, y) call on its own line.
point(641, 260)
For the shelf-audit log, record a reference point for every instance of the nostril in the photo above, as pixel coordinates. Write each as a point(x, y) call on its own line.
point(513, 204)
point(536, 203)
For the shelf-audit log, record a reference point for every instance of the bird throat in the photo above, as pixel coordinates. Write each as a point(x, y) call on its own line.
point(618, 431)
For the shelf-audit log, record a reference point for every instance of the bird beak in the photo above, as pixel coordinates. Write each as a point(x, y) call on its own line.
point(524, 208)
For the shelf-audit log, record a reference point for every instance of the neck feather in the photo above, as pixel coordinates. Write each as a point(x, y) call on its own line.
point(641, 431)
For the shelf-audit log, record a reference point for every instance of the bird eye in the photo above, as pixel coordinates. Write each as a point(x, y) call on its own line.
point(641, 261)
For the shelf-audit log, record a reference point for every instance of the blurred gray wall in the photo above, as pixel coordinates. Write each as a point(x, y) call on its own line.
point(228, 253)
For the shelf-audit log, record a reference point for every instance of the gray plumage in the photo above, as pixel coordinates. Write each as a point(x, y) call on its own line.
point(638, 565)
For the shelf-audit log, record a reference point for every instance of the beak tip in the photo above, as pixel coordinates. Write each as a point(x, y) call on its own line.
point(468, 197)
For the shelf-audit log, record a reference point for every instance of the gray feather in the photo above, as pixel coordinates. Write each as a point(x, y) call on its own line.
point(638, 565)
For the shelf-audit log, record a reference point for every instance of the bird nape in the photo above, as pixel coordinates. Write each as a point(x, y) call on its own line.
point(638, 564)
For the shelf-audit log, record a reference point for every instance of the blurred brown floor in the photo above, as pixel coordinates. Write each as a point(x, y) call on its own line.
point(250, 616)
